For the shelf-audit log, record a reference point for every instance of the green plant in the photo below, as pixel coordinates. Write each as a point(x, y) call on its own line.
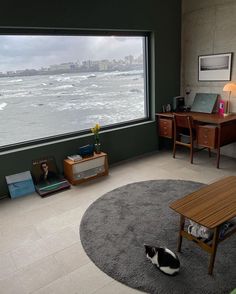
point(95, 131)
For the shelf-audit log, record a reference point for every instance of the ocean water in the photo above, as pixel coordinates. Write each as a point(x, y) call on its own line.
point(34, 107)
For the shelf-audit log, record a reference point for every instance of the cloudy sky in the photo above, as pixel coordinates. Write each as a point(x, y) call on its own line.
point(21, 52)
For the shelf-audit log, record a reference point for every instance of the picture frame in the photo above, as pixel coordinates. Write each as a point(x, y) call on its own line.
point(38, 171)
point(215, 67)
point(47, 177)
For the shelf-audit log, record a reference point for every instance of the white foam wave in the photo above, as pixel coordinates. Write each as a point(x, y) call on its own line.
point(91, 76)
point(129, 85)
point(123, 73)
point(62, 106)
point(62, 79)
point(2, 105)
point(15, 81)
point(84, 77)
point(64, 87)
point(19, 94)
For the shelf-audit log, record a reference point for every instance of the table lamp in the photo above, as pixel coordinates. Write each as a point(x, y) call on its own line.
point(229, 87)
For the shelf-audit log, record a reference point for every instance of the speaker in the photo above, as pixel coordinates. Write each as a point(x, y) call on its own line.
point(178, 103)
point(89, 173)
point(89, 168)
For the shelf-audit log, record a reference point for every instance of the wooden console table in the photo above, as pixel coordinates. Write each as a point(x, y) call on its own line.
point(213, 130)
point(210, 207)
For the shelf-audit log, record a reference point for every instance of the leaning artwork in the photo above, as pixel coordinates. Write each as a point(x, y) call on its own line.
point(46, 176)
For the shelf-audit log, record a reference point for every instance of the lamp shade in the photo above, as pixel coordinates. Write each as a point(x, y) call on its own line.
point(230, 87)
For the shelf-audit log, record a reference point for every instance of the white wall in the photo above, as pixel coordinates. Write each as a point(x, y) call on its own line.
point(208, 27)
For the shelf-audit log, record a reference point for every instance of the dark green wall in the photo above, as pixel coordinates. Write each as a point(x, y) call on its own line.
point(162, 18)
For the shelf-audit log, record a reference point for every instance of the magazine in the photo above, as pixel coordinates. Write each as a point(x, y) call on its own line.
point(74, 157)
point(20, 184)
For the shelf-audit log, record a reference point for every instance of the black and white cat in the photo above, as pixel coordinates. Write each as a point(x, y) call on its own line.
point(166, 260)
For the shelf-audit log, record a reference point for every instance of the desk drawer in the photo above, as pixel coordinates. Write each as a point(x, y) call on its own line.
point(165, 127)
point(207, 136)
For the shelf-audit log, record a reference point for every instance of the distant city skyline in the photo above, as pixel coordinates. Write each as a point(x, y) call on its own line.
point(129, 62)
point(34, 52)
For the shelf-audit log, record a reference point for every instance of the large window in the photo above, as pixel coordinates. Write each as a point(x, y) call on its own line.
point(55, 85)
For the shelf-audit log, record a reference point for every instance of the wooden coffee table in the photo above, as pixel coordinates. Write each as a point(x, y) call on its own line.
point(210, 207)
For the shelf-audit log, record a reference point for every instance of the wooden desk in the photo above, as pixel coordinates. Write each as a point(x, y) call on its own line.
point(213, 130)
point(210, 207)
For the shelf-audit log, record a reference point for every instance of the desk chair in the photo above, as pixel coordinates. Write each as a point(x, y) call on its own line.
point(183, 129)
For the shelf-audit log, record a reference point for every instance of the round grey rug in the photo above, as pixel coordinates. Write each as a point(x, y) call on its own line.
point(115, 227)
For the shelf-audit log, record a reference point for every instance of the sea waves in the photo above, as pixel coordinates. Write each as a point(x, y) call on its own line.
point(46, 105)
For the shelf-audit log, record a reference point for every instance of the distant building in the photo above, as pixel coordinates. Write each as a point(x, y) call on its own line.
point(103, 65)
point(127, 63)
point(87, 64)
point(129, 59)
point(62, 66)
point(43, 69)
point(140, 59)
point(20, 71)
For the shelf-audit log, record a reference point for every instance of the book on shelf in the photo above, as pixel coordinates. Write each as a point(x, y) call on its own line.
point(74, 157)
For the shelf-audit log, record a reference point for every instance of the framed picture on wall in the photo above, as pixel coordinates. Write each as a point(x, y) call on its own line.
point(216, 67)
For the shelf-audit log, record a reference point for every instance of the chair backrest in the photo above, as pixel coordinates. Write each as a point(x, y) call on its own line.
point(183, 121)
point(184, 133)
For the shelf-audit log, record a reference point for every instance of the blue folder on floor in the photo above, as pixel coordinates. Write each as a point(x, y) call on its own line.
point(20, 184)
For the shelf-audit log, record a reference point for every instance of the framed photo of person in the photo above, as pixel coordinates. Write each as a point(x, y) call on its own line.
point(44, 170)
point(47, 177)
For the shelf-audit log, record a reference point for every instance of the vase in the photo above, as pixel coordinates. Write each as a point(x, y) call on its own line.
point(97, 148)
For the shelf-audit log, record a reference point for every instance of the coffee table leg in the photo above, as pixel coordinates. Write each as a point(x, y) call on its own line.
point(214, 248)
point(181, 228)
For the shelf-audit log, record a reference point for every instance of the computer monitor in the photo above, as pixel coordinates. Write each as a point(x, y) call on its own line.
point(178, 103)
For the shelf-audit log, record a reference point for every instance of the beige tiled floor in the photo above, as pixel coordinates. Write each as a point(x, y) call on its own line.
point(40, 249)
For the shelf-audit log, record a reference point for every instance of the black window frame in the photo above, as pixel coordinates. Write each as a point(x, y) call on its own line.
point(87, 32)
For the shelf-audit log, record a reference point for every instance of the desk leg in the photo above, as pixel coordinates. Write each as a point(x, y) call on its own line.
point(214, 248)
point(218, 148)
point(218, 157)
point(181, 228)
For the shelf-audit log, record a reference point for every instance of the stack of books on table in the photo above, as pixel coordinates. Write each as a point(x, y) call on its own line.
point(74, 157)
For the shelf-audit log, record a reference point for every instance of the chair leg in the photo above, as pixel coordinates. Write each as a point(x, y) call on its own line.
point(174, 150)
point(191, 151)
point(209, 152)
point(191, 155)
